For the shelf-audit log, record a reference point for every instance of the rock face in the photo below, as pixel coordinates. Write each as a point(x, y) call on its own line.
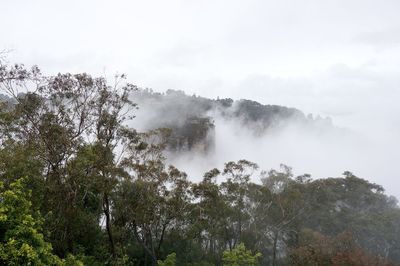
point(196, 134)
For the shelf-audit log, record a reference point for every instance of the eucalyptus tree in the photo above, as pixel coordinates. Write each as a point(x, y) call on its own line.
point(155, 199)
point(285, 211)
point(236, 196)
point(209, 224)
point(73, 124)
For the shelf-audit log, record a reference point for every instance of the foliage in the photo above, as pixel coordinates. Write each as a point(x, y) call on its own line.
point(318, 249)
point(239, 256)
point(169, 261)
point(22, 242)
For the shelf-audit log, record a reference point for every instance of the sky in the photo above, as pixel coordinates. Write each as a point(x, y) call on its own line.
point(330, 58)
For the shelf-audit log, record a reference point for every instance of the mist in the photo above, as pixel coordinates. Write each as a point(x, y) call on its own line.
point(310, 144)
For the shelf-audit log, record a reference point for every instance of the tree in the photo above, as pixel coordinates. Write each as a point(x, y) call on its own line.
point(209, 223)
point(353, 204)
point(318, 249)
point(169, 261)
point(22, 242)
point(239, 256)
point(280, 220)
point(235, 192)
point(154, 199)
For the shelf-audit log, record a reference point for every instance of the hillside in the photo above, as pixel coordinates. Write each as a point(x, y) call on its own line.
point(192, 119)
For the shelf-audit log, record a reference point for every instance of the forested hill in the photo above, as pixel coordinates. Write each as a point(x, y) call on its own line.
point(192, 119)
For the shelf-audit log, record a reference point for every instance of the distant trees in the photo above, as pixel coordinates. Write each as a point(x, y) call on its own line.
point(102, 192)
point(195, 134)
point(318, 249)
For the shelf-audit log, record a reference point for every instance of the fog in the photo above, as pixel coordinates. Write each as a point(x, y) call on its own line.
point(317, 146)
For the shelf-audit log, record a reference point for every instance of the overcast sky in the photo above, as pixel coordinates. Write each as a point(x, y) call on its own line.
point(334, 58)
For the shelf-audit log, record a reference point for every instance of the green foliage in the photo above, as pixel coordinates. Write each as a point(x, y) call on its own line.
point(71, 260)
point(240, 256)
point(169, 261)
point(22, 242)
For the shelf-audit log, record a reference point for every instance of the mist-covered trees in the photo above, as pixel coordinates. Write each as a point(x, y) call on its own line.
point(103, 194)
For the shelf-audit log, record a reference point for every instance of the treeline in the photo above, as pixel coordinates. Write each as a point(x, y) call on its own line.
point(79, 186)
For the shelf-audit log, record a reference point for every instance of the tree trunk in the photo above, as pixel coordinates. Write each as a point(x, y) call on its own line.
point(106, 209)
point(274, 248)
point(161, 239)
point(141, 241)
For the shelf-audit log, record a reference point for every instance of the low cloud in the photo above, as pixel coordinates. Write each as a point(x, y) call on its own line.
point(366, 147)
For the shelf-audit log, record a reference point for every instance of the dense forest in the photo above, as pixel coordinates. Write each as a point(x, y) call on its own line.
point(80, 186)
